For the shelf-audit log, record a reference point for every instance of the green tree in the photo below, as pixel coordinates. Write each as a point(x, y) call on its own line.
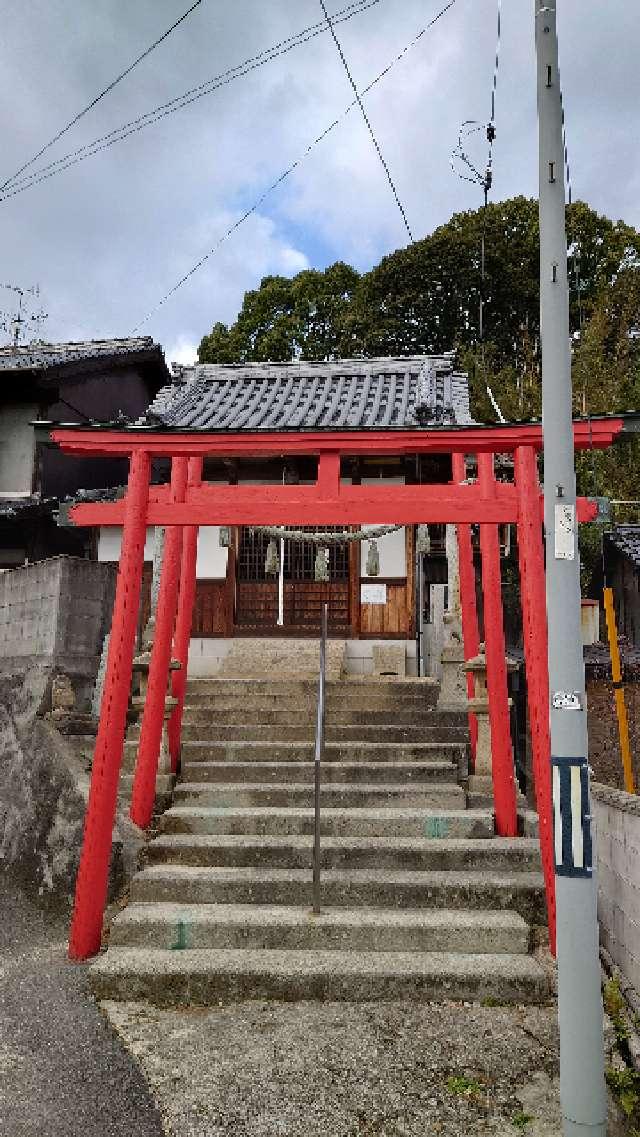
point(426, 297)
point(286, 319)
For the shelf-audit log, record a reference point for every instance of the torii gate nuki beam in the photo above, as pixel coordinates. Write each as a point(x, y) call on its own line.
point(187, 504)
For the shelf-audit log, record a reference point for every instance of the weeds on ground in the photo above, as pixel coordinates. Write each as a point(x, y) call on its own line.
point(521, 1120)
point(625, 1084)
point(622, 1080)
point(462, 1085)
point(615, 1007)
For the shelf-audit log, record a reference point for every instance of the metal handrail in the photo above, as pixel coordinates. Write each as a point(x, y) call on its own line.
point(319, 749)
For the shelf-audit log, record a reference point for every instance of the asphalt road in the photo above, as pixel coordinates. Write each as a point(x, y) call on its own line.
point(63, 1072)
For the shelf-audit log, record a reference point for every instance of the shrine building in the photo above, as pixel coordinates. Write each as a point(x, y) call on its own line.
point(372, 593)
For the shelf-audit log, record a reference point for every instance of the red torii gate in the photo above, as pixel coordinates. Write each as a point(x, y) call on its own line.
point(187, 503)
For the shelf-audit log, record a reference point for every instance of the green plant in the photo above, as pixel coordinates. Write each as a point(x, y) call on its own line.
point(625, 1084)
point(521, 1120)
point(615, 1007)
point(461, 1084)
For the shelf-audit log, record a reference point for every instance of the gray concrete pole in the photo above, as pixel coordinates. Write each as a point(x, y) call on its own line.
point(582, 1086)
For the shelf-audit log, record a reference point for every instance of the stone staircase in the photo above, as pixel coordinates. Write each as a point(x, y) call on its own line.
point(419, 898)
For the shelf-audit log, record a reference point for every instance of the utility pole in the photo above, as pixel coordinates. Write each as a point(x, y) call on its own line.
point(582, 1086)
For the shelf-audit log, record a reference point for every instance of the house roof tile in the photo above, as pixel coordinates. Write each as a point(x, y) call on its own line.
point(48, 356)
point(347, 394)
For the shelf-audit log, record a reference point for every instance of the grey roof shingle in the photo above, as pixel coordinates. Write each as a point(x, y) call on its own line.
point(45, 356)
point(626, 538)
point(347, 394)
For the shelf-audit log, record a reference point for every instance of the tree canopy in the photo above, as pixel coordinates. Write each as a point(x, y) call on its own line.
point(425, 298)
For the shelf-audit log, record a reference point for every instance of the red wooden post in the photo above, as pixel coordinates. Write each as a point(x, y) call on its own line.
point(469, 608)
point(182, 635)
point(504, 789)
point(93, 872)
point(144, 782)
point(534, 626)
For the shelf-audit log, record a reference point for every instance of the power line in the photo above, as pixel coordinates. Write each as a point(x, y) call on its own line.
point(298, 162)
point(367, 121)
point(102, 94)
point(90, 149)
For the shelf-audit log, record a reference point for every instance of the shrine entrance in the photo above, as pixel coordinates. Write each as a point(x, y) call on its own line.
point(186, 503)
point(257, 589)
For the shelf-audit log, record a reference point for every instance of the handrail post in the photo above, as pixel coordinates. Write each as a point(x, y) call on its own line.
point(317, 760)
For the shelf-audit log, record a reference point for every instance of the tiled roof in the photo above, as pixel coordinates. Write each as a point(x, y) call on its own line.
point(11, 507)
point(45, 356)
point(626, 538)
point(347, 394)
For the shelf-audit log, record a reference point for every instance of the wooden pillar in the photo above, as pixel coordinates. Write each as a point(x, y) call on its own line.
point(468, 605)
point(182, 635)
point(144, 782)
point(534, 627)
point(504, 789)
point(93, 872)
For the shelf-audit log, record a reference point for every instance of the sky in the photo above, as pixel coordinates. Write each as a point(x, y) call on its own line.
point(106, 239)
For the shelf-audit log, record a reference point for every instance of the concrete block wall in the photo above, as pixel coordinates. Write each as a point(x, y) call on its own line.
point(54, 614)
point(617, 832)
point(359, 655)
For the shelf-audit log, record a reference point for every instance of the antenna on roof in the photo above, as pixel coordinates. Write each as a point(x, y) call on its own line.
point(22, 324)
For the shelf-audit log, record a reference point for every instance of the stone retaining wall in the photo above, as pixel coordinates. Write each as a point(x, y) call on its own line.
point(53, 617)
point(617, 830)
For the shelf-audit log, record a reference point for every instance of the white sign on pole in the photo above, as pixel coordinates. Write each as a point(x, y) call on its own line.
point(565, 543)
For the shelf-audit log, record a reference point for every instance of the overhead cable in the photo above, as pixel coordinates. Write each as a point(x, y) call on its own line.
point(367, 120)
point(90, 149)
point(114, 83)
point(294, 165)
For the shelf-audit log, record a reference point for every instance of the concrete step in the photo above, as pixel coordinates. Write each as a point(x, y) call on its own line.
point(402, 773)
point(425, 687)
point(209, 976)
point(283, 657)
point(219, 694)
point(164, 783)
point(272, 927)
point(349, 795)
point(389, 822)
point(210, 728)
point(522, 892)
point(303, 714)
point(243, 851)
point(287, 752)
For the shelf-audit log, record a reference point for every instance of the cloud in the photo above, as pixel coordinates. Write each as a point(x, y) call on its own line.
point(109, 237)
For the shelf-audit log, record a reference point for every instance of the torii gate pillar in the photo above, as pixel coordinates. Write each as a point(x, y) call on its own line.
point(504, 788)
point(184, 618)
point(93, 872)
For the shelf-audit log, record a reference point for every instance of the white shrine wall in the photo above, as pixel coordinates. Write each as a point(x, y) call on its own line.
point(211, 563)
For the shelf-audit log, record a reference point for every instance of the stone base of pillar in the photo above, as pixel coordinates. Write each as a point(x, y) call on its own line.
point(483, 766)
point(453, 686)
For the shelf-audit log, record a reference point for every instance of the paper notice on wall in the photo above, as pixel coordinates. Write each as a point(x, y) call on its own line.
point(373, 594)
point(565, 533)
